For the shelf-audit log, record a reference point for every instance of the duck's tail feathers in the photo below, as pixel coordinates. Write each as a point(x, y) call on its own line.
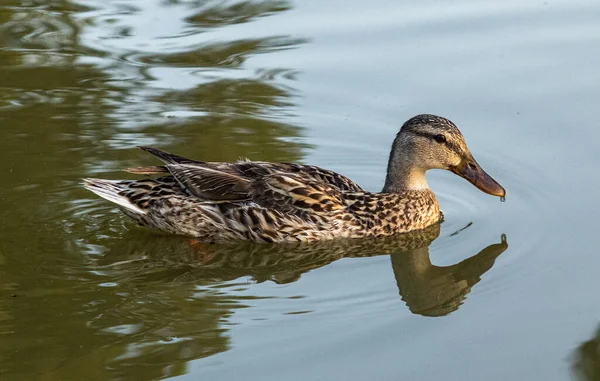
point(113, 191)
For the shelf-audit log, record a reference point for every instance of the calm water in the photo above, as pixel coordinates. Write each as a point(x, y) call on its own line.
point(500, 291)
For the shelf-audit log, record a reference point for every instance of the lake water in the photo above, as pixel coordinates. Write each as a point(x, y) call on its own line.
point(499, 291)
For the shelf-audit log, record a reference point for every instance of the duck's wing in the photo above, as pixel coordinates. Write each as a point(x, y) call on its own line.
point(308, 173)
point(166, 157)
point(291, 193)
point(278, 186)
point(211, 183)
point(170, 158)
point(285, 192)
point(245, 170)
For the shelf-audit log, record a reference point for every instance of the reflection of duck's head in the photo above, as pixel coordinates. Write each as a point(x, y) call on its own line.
point(432, 142)
point(430, 290)
point(586, 360)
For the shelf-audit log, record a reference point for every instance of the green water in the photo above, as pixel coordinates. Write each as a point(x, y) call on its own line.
point(498, 291)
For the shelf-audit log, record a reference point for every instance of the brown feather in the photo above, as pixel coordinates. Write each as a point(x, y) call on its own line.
point(149, 170)
point(289, 192)
point(169, 158)
point(210, 184)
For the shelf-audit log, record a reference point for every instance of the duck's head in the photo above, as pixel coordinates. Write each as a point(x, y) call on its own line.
point(432, 142)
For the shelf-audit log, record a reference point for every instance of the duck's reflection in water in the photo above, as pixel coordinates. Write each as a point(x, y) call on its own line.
point(168, 300)
point(427, 289)
point(586, 359)
point(430, 290)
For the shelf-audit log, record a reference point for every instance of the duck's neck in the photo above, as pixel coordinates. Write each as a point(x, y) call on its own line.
point(405, 179)
point(402, 173)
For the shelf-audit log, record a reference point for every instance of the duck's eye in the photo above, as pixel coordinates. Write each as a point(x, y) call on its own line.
point(440, 138)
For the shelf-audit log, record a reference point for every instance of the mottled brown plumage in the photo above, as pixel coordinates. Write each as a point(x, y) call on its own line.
point(284, 202)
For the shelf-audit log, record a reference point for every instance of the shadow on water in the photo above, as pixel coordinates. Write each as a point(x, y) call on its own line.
point(586, 359)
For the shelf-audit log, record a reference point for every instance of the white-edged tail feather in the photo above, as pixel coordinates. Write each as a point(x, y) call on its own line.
point(111, 190)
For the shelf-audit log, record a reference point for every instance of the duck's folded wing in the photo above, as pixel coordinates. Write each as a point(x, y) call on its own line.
point(166, 157)
point(328, 177)
point(285, 192)
point(229, 181)
point(291, 193)
point(169, 158)
point(210, 184)
point(308, 173)
point(147, 170)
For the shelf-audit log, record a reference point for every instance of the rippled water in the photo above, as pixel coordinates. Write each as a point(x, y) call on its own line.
point(498, 291)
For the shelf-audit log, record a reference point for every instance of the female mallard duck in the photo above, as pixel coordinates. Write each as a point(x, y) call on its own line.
point(283, 202)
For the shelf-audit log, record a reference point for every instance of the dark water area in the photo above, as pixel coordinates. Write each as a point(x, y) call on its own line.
point(497, 291)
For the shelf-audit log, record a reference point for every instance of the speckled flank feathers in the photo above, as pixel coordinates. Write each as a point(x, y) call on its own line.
point(281, 202)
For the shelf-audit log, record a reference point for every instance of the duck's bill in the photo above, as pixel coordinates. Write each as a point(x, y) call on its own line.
point(470, 170)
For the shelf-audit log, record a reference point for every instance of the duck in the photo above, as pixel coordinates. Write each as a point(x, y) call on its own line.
point(270, 202)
